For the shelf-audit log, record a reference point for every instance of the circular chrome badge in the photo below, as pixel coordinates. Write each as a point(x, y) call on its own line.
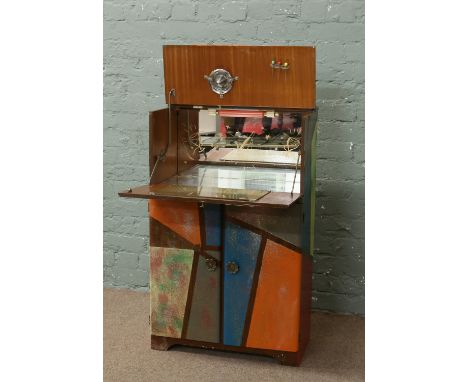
point(220, 81)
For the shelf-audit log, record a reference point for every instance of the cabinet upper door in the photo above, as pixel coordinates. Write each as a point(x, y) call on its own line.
point(262, 76)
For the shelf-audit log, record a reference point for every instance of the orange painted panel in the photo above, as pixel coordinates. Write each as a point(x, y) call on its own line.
point(276, 312)
point(181, 217)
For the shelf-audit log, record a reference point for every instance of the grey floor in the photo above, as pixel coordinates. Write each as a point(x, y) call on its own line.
point(335, 351)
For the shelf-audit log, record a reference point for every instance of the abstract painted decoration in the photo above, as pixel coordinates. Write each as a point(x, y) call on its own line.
point(276, 311)
point(282, 224)
point(241, 249)
point(166, 238)
point(213, 218)
point(182, 218)
point(171, 270)
point(203, 322)
point(261, 284)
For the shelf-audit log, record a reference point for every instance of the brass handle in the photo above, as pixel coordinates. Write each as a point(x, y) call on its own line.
point(211, 264)
point(232, 267)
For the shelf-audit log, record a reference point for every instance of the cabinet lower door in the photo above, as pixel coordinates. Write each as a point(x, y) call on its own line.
point(184, 272)
point(257, 302)
point(185, 293)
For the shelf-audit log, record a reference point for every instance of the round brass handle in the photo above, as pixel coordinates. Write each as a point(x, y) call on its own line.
point(232, 267)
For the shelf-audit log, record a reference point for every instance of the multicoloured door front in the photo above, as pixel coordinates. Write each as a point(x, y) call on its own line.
point(185, 271)
point(226, 274)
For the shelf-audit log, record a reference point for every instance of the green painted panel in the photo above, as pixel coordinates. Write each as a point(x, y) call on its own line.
point(169, 284)
point(313, 174)
point(310, 139)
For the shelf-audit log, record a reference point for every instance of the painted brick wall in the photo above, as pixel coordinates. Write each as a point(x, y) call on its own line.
point(134, 32)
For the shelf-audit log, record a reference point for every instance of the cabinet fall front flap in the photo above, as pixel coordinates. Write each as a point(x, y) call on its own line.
point(214, 195)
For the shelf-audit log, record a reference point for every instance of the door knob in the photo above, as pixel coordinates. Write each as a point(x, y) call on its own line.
point(211, 264)
point(220, 81)
point(232, 267)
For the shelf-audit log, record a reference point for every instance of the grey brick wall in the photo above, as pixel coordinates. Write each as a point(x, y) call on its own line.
point(134, 32)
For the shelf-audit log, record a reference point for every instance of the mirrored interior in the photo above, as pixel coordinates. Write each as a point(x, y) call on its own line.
point(250, 129)
point(236, 154)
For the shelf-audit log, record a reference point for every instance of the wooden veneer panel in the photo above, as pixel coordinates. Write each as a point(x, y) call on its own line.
point(259, 85)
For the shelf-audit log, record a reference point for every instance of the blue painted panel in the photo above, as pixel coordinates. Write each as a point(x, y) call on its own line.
point(213, 224)
point(240, 246)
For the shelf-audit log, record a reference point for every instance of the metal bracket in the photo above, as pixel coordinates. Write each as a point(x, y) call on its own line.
point(295, 172)
point(162, 154)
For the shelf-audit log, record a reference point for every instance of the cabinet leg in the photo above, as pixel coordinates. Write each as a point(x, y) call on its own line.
point(159, 343)
point(288, 359)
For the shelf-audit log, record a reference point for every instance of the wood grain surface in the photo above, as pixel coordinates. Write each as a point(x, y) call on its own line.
point(259, 85)
point(158, 141)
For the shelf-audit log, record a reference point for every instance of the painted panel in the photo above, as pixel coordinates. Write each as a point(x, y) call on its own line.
point(169, 284)
point(310, 149)
point(203, 323)
point(213, 224)
point(241, 246)
point(161, 236)
point(284, 224)
point(181, 217)
point(276, 311)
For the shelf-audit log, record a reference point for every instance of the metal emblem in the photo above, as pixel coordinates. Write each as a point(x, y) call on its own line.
point(211, 264)
point(220, 81)
point(232, 267)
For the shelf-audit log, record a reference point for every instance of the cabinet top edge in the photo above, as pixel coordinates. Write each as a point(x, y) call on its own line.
point(239, 46)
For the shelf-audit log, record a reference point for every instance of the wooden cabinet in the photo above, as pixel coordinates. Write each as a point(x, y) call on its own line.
point(231, 195)
point(258, 84)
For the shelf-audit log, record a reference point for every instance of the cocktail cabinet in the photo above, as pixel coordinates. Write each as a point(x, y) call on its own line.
point(231, 199)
